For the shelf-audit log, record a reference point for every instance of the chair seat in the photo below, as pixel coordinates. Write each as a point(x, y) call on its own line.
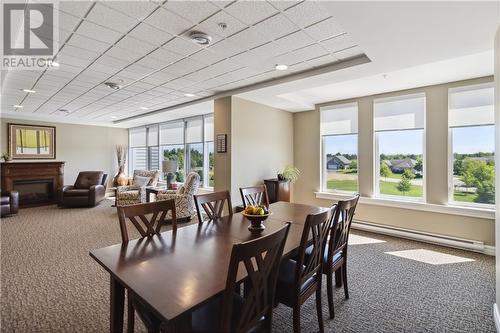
point(336, 258)
point(5, 200)
point(77, 193)
point(208, 317)
point(286, 276)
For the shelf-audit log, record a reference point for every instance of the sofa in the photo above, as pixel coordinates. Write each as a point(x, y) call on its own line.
point(135, 193)
point(88, 191)
point(9, 203)
point(184, 197)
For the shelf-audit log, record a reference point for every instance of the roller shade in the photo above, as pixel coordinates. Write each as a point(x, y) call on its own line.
point(172, 133)
point(339, 119)
point(137, 137)
point(209, 128)
point(471, 106)
point(194, 131)
point(153, 136)
point(401, 113)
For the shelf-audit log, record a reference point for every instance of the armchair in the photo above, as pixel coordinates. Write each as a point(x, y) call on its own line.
point(133, 194)
point(184, 200)
point(9, 203)
point(88, 191)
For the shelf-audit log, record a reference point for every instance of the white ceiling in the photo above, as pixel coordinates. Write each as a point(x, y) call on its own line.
point(144, 47)
point(410, 44)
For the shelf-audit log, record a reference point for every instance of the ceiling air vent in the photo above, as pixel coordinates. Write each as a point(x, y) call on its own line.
point(200, 38)
point(112, 85)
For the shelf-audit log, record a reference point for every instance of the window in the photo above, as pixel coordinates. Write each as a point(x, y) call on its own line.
point(209, 151)
point(138, 152)
point(153, 153)
point(471, 119)
point(194, 145)
point(339, 142)
point(399, 146)
point(172, 146)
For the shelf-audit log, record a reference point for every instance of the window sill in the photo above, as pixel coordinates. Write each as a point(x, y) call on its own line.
point(483, 213)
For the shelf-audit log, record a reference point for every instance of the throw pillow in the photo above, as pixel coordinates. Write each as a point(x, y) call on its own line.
point(141, 181)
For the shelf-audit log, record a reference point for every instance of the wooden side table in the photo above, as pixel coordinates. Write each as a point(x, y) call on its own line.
point(153, 190)
point(278, 190)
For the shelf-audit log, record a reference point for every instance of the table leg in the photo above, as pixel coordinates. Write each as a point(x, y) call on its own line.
point(117, 303)
point(180, 324)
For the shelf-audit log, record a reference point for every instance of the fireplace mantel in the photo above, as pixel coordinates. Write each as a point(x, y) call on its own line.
point(21, 173)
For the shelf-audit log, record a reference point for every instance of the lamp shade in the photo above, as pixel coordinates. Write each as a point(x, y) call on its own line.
point(170, 166)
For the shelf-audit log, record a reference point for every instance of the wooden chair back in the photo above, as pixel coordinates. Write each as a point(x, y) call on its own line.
point(147, 218)
point(254, 196)
point(315, 234)
point(341, 225)
point(261, 260)
point(212, 204)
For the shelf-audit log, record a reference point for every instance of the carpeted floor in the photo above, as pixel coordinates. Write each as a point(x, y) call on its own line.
point(50, 284)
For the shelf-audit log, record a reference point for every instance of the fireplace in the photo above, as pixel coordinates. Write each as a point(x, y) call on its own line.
point(36, 182)
point(36, 192)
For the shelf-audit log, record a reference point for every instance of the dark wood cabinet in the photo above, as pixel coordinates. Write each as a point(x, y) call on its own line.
point(278, 190)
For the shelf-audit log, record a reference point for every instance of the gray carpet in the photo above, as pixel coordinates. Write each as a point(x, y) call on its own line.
point(50, 284)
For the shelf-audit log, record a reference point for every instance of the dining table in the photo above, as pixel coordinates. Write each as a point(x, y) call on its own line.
point(174, 273)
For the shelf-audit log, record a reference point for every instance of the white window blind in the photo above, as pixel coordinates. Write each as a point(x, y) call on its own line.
point(400, 113)
point(172, 133)
point(339, 119)
point(137, 137)
point(153, 136)
point(209, 128)
point(194, 130)
point(471, 106)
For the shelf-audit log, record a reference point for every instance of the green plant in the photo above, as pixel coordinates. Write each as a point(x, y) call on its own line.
point(291, 173)
point(6, 157)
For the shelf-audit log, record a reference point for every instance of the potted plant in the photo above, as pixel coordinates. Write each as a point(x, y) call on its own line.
point(120, 179)
point(6, 157)
point(289, 173)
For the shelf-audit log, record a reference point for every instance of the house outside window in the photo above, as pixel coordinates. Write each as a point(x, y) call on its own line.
point(339, 146)
point(471, 118)
point(399, 147)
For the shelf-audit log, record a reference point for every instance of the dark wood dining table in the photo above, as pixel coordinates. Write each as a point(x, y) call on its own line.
point(174, 273)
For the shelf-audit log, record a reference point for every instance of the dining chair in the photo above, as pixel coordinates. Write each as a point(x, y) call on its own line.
point(212, 204)
point(299, 279)
point(254, 196)
point(335, 260)
point(259, 259)
point(147, 218)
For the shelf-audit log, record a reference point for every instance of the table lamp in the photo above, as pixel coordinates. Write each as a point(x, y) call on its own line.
point(169, 169)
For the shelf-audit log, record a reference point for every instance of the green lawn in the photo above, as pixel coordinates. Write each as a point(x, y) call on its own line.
point(464, 197)
point(391, 189)
point(350, 185)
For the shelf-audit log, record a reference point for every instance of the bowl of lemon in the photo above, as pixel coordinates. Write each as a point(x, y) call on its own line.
point(256, 215)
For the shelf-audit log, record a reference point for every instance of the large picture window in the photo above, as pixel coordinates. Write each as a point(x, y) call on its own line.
point(471, 119)
point(399, 147)
point(138, 149)
point(339, 142)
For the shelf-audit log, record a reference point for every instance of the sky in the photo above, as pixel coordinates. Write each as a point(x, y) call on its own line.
point(465, 141)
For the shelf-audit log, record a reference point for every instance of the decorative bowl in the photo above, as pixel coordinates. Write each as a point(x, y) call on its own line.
point(256, 220)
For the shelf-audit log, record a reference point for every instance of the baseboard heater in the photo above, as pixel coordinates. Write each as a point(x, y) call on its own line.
point(455, 242)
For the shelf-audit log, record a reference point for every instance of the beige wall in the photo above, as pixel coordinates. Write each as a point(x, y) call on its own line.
point(260, 143)
point(82, 147)
point(307, 159)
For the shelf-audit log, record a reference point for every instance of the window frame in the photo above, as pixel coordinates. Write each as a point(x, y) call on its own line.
point(451, 157)
point(376, 151)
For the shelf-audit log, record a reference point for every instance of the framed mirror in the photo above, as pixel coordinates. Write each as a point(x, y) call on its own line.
point(32, 141)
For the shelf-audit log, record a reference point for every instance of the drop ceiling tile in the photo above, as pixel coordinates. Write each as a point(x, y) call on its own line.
point(181, 46)
point(178, 84)
point(126, 55)
point(164, 55)
point(153, 63)
point(221, 3)
point(140, 69)
point(109, 61)
point(207, 57)
point(225, 48)
point(78, 52)
point(99, 67)
point(250, 12)
point(75, 8)
point(349, 53)
point(275, 27)
point(95, 31)
point(110, 18)
point(184, 67)
point(211, 25)
point(294, 41)
point(307, 13)
point(282, 5)
point(128, 76)
point(324, 29)
point(338, 43)
point(169, 22)
point(248, 38)
point(150, 34)
point(301, 55)
point(132, 44)
point(87, 43)
point(134, 9)
point(194, 11)
point(271, 50)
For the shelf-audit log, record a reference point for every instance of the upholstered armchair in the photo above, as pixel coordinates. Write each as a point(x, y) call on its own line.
point(183, 196)
point(135, 193)
point(88, 191)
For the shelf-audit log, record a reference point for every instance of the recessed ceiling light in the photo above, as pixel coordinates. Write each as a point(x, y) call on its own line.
point(29, 91)
point(54, 64)
point(144, 108)
point(112, 85)
point(281, 67)
point(18, 106)
point(189, 95)
point(200, 38)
